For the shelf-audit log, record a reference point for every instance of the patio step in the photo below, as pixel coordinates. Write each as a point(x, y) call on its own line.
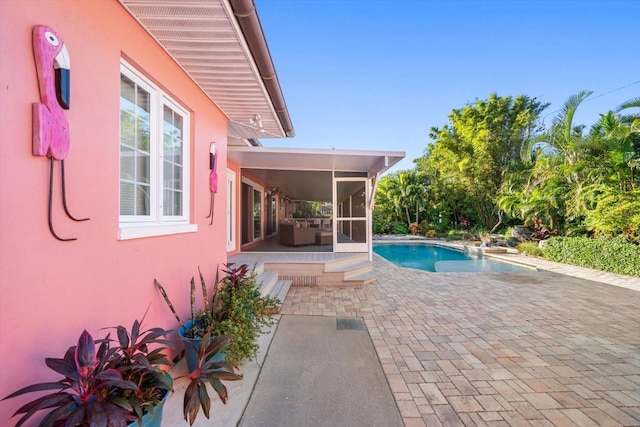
point(268, 281)
point(280, 291)
point(345, 261)
point(273, 287)
point(351, 269)
point(354, 271)
point(360, 279)
point(308, 269)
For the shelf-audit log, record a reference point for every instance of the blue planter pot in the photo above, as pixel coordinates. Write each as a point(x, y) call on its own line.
point(148, 420)
point(192, 358)
point(183, 330)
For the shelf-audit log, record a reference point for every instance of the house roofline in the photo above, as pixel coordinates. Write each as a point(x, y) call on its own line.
point(249, 22)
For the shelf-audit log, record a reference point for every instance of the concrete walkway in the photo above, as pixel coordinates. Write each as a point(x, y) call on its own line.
point(499, 349)
point(321, 371)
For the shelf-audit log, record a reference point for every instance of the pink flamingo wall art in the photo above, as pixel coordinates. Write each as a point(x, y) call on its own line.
point(50, 125)
point(213, 178)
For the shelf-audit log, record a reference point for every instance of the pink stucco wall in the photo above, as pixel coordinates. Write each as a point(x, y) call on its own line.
point(49, 290)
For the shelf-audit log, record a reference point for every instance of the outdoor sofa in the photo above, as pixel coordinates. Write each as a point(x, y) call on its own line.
point(296, 234)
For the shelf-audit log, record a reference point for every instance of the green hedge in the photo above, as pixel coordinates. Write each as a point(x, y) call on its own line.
point(530, 248)
point(614, 255)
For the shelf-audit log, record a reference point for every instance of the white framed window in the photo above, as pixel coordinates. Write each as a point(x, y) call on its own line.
point(154, 160)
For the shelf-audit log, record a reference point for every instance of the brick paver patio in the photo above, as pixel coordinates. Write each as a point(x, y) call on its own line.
point(496, 349)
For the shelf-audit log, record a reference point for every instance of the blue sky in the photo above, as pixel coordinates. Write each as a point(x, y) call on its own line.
point(378, 74)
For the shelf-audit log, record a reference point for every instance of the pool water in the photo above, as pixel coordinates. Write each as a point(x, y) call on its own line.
point(439, 259)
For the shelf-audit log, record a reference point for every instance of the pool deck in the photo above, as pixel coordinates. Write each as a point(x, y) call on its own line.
point(556, 346)
point(511, 255)
point(570, 270)
point(559, 346)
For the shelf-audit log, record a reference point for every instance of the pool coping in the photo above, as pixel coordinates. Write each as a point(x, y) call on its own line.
point(512, 256)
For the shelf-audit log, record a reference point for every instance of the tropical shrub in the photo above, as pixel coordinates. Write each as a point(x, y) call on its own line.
point(414, 228)
point(246, 312)
point(529, 248)
point(209, 369)
point(616, 212)
point(236, 308)
point(418, 229)
point(378, 227)
point(398, 228)
point(454, 234)
point(109, 385)
point(615, 255)
point(508, 233)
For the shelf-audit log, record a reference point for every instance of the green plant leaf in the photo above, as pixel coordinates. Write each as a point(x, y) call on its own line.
point(218, 387)
point(191, 402)
point(168, 301)
point(193, 297)
point(204, 290)
point(205, 401)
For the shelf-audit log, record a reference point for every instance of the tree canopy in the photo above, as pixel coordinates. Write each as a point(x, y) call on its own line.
point(469, 157)
point(494, 156)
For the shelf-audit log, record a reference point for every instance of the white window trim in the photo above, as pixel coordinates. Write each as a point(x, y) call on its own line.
point(132, 226)
point(136, 231)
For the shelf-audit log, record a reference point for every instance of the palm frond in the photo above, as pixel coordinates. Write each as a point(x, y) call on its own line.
point(630, 103)
point(565, 117)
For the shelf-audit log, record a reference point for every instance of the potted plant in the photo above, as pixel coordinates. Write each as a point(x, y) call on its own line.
point(209, 368)
point(140, 359)
point(245, 310)
point(201, 320)
point(236, 308)
point(112, 386)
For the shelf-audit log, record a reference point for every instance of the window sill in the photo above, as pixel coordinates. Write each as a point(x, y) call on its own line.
point(137, 231)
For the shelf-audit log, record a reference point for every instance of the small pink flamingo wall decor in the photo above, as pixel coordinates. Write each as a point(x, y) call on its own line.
point(50, 125)
point(213, 178)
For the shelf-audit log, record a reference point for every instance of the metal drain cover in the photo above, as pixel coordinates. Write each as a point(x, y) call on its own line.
point(350, 324)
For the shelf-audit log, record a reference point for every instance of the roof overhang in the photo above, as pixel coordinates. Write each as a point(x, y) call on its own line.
point(221, 46)
point(301, 159)
point(306, 174)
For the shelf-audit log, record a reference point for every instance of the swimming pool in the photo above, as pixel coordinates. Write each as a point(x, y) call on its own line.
point(439, 259)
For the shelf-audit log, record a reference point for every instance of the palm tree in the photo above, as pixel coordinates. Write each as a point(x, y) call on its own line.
point(563, 138)
point(570, 172)
point(407, 191)
point(404, 190)
point(613, 145)
point(387, 196)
